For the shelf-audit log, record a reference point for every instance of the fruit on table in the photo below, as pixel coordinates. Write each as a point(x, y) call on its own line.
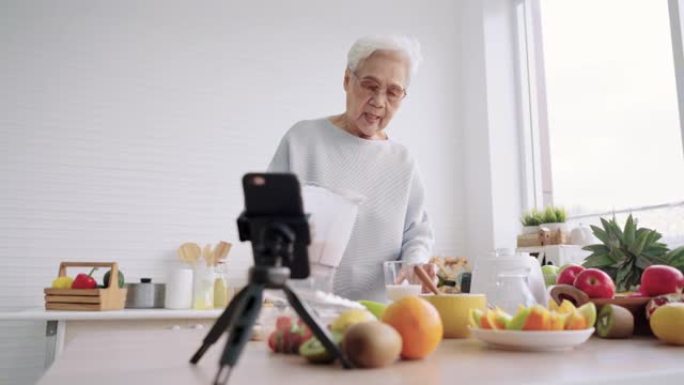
point(550, 274)
point(596, 283)
point(314, 351)
point(372, 344)
point(376, 308)
point(288, 336)
point(64, 282)
point(418, 323)
point(614, 321)
point(662, 300)
point(350, 317)
point(568, 273)
point(667, 323)
point(85, 281)
point(121, 279)
point(661, 279)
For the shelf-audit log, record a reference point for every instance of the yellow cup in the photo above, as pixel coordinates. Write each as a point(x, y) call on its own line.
point(454, 310)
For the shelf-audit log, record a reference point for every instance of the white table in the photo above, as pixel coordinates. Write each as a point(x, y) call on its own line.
point(64, 326)
point(161, 357)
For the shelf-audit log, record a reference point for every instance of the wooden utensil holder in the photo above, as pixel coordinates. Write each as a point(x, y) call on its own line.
point(110, 298)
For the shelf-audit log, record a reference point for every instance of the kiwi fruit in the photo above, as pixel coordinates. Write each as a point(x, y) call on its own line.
point(569, 292)
point(314, 351)
point(614, 321)
point(372, 344)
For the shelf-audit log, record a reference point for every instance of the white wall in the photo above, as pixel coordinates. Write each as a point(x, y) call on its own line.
point(125, 127)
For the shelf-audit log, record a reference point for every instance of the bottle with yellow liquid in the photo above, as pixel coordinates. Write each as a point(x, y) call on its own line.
point(203, 287)
point(221, 290)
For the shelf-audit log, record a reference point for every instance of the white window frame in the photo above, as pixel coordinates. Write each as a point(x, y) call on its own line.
point(537, 174)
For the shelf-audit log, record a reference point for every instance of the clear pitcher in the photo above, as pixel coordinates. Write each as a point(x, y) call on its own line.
point(511, 291)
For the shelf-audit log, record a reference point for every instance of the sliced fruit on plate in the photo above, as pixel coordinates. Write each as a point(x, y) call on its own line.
point(588, 311)
point(575, 321)
point(474, 317)
point(518, 320)
point(566, 307)
point(494, 319)
point(557, 321)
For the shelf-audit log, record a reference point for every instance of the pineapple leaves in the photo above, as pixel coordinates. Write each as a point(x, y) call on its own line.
point(625, 253)
point(630, 231)
point(600, 234)
point(675, 258)
point(599, 260)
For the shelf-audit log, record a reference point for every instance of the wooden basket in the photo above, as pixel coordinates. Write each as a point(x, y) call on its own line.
point(111, 298)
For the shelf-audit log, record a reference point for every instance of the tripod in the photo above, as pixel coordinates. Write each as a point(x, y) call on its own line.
point(276, 242)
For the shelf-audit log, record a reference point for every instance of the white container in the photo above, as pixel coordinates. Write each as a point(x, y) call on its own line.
point(530, 229)
point(179, 289)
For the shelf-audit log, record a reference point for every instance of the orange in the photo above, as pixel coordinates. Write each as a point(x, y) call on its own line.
point(538, 319)
point(418, 323)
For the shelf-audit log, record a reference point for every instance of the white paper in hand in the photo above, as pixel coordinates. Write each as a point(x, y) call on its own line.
point(331, 220)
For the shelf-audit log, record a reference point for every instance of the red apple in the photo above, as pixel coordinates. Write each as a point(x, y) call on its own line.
point(596, 283)
point(568, 273)
point(661, 279)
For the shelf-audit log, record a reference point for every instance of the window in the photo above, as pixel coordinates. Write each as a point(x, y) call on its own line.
point(606, 129)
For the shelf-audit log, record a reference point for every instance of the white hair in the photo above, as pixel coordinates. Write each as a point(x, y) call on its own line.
point(365, 46)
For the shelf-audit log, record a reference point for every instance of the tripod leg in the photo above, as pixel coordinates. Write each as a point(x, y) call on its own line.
point(220, 325)
point(319, 331)
point(240, 330)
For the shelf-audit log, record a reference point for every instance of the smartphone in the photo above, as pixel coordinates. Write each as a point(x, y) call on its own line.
point(272, 195)
point(275, 198)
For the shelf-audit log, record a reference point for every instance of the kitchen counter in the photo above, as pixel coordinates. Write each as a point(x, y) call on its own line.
point(64, 326)
point(40, 314)
point(161, 357)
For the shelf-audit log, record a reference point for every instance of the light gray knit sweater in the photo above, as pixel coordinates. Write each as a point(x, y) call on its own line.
point(391, 223)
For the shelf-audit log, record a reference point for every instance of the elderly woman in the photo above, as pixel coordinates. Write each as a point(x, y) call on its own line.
point(353, 152)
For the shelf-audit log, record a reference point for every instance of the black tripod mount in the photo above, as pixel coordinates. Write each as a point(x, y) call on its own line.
point(276, 243)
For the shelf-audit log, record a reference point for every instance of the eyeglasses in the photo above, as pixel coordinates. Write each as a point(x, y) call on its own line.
point(372, 87)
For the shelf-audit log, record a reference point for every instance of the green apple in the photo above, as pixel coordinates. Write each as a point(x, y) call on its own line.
point(550, 274)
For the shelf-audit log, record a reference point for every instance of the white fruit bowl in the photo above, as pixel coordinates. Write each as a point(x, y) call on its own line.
point(532, 340)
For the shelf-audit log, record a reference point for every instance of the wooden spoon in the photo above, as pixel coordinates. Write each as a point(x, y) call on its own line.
point(222, 249)
point(189, 252)
point(425, 279)
point(209, 255)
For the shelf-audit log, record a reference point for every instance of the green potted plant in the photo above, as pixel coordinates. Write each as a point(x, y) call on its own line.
point(554, 218)
point(625, 253)
point(531, 219)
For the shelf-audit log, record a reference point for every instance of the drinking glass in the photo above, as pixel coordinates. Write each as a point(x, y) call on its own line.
point(400, 281)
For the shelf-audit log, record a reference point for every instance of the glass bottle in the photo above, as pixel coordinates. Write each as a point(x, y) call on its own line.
point(221, 290)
